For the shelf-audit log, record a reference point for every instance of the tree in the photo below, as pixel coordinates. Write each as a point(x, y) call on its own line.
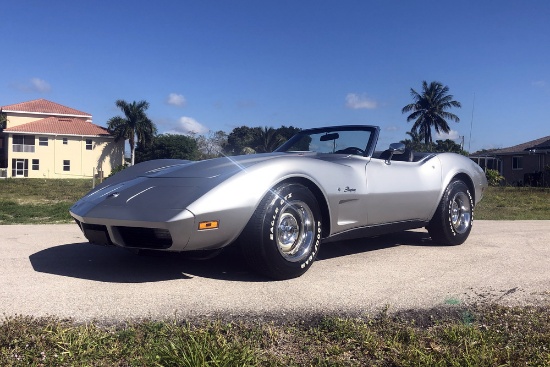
point(448, 145)
point(241, 139)
point(135, 126)
point(211, 145)
point(3, 121)
point(268, 139)
point(415, 142)
point(429, 110)
point(168, 146)
point(247, 140)
point(288, 132)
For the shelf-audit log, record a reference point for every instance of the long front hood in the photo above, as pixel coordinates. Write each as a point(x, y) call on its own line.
point(210, 168)
point(159, 190)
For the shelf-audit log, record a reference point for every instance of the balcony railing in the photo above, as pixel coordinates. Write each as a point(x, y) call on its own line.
point(23, 148)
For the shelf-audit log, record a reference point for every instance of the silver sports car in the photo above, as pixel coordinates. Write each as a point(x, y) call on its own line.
point(324, 184)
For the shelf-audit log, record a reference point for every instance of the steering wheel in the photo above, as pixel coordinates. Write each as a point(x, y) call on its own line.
point(351, 150)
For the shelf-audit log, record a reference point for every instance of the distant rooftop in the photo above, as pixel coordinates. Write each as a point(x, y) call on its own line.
point(60, 126)
point(538, 144)
point(43, 106)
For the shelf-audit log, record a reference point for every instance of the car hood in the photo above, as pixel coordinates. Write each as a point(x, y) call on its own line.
point(167, 183)
point(210, 168)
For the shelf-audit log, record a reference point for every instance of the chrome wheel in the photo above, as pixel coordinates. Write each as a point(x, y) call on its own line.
point(461, 212)
point(294, 231)
point(283, 237)
point(452, 221)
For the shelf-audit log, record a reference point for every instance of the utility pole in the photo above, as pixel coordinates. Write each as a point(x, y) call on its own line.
point(471, 124)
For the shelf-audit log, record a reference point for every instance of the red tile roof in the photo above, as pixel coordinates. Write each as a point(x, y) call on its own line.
point(43, 106)
point(60, 126)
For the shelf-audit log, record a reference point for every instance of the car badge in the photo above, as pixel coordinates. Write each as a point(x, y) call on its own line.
point(113, 195)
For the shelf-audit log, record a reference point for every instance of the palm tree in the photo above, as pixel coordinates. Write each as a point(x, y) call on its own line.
point(415, 143)
point(268, 140)
point(135, 126)
point(429, 110)
point(3, 121)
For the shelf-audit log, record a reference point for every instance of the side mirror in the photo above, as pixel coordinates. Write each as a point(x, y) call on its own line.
point(395, 148)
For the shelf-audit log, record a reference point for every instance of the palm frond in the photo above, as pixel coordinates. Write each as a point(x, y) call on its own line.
point(429, 110)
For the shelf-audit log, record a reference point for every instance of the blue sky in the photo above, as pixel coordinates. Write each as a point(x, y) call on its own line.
point(215, 65)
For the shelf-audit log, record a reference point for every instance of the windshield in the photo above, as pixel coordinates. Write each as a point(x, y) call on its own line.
point(356, 140)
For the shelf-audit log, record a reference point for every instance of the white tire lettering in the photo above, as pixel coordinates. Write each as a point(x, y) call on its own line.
point(315, 249)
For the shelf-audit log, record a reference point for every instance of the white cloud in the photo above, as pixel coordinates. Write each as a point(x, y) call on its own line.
point(33, 85)
point(175, 99)
point(453, 135)
point(539, 84)
point(355, 101)
point(186, 125)
point(40, 85)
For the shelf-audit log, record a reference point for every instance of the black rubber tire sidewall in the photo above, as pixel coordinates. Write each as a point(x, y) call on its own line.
point(440, 228)
point(257, 240)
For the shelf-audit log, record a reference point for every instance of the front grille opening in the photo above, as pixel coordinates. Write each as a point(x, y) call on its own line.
point(149, 238)
point(96, 234)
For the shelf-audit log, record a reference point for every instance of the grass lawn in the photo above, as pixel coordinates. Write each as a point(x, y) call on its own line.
point(454, 335)
point(514, 203)
point(484, 336)
point(39, 201)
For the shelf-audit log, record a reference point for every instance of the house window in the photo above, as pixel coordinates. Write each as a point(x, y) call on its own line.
point(23, 143)
point(89, 145)
point(66, 165)
point(65, 141)
point(517, 162)
point(20, 167)
point(35, 164)
point(43, 141)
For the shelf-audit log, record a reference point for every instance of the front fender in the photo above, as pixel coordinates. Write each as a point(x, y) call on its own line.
point(455, 165)
point(234, 201)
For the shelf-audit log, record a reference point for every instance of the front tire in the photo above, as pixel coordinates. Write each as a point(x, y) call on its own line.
point(283, 237)
point(453, 218)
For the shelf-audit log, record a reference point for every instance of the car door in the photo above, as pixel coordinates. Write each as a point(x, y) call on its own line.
point(401, 191)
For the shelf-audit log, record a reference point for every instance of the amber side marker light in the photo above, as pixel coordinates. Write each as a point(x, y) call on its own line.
point(211, 224)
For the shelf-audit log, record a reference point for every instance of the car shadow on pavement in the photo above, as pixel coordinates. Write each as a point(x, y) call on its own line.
point(350, 247)
point(118, 265)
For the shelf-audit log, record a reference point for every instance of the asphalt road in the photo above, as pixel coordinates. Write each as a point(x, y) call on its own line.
point(52, 270)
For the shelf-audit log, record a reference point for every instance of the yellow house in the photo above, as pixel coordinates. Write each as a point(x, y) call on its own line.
point(43, 139)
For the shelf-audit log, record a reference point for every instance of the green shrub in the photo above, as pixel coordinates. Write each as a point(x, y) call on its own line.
point(494, 178)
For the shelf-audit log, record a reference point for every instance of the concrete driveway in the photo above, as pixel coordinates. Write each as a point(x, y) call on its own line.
point(52, 270)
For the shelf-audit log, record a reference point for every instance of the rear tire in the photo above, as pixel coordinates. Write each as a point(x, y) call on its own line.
point(283, 237)
point(453, 218)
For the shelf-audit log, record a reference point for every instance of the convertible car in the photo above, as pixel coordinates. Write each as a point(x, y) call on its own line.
point(324, 184)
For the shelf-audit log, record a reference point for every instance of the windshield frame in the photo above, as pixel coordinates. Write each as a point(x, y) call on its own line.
point(370, 145)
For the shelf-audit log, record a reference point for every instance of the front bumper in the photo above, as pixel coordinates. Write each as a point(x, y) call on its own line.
point(172, 236)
